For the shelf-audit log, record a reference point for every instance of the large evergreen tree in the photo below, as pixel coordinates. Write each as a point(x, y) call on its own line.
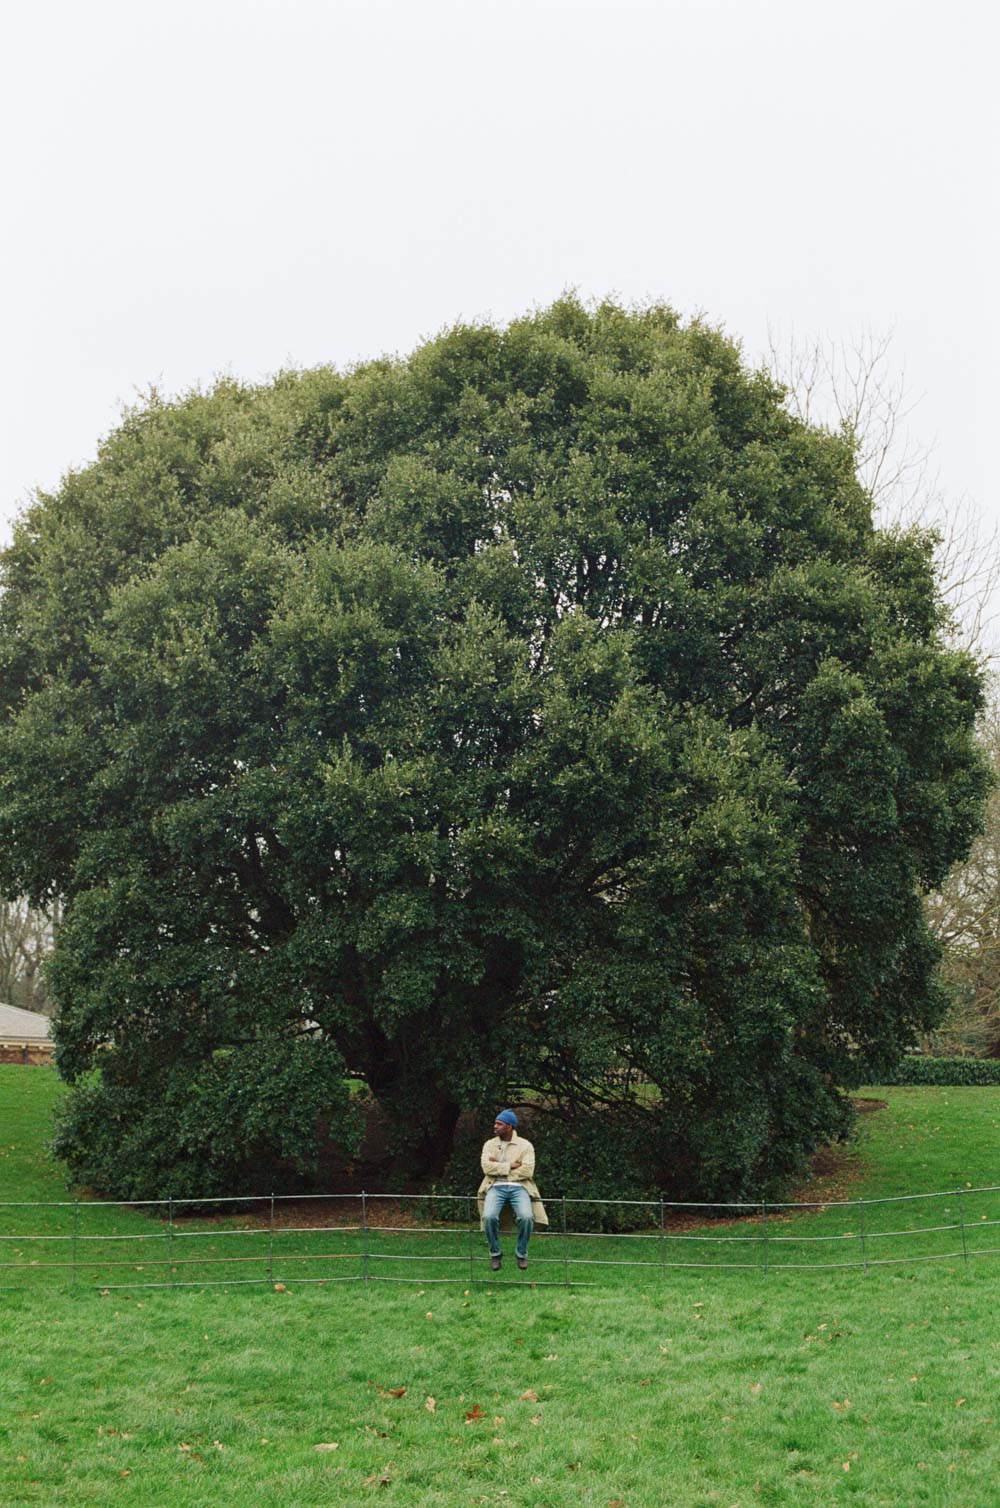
point(543, 710)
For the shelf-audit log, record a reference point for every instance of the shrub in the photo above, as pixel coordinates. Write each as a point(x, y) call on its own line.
point(246, 1121)
point(945, 1071)
point(587, 1159)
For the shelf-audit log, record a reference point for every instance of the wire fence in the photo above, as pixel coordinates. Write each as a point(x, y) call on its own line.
point(363, 1238)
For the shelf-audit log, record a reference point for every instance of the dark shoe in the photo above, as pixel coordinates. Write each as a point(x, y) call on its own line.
point(522, 1262)
point(495, 1263)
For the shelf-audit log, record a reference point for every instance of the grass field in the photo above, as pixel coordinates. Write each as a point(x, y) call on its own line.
point(656, 1387)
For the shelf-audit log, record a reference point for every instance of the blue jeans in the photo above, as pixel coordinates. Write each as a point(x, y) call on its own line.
point(517, 1196)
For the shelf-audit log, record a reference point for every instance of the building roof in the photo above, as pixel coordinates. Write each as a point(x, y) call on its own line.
point(23, 1026)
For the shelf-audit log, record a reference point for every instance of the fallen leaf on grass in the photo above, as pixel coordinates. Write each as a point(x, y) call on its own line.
point(393, 1392)
point(842, 1407)
point(430, 1405)
point(553, 1357)
point(536, 1418)
point(474, 1415)
point(645, 1381)
point(756, 1387)
point(327, 1445)
point(382, 1478)
point(529, 1396)
point(959, 1402)
point(429, 1314)
point(280, 1288)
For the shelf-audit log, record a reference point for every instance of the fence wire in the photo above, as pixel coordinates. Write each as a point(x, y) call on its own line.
point(377, 1237)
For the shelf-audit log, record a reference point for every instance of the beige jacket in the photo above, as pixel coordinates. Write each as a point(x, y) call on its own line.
point(497, 1159)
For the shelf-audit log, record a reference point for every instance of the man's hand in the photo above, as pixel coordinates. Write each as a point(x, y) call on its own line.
point(515, 1165)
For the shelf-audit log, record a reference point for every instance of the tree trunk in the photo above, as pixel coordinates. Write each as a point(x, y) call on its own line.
point(422, 1113)
point(435, 1140)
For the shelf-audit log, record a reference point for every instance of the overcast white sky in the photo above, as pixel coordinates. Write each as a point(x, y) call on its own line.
point(231, 185)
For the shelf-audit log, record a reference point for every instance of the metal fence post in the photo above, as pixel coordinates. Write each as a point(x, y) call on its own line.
point(468, 1225)
point(170, 1239)
point(76, 1220)
point(565, 1244)
point(961, 1217)
point(763, 1230)
point(864, 1249)
point(270, 1241)
point(364, 1235)
point(663, 1237)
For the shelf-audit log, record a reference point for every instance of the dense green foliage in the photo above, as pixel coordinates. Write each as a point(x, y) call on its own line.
point(247, 1118)
point(944, 1071)
point(541, 710)
point(603, 1154)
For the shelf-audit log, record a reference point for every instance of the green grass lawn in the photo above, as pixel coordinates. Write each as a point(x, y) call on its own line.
point(656, 1387)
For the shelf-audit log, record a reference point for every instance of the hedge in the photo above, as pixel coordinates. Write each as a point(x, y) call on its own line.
point(945, 1071)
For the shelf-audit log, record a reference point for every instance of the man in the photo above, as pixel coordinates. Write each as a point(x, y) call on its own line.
point(508, 1164)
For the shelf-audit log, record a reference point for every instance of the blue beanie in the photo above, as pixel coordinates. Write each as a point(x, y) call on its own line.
point(508, 1117)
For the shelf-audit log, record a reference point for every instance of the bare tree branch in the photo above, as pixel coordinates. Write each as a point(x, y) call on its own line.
point(965, 917)
point(852, 388)
point(26, 938)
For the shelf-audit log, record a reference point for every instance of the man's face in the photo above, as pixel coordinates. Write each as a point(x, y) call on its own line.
point(501, 1129)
